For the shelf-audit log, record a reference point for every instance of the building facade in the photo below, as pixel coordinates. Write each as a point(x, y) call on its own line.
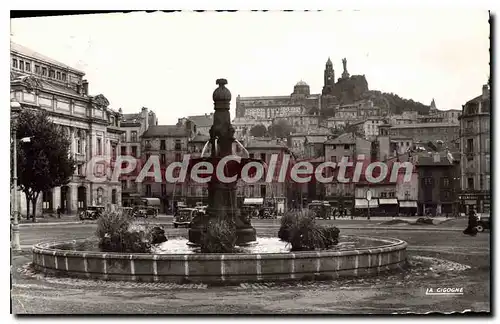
point(427, 132)
point(475, 152)
point(40, 82)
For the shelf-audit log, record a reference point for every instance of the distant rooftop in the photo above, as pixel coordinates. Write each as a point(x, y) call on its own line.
point(165, 131)
point(206, 120)
point(424, 125)
point(23, 50)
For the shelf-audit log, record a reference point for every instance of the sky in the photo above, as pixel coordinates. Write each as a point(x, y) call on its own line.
point(169, 62)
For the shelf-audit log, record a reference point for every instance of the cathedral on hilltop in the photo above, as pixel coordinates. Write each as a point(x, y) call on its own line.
point(345, 91)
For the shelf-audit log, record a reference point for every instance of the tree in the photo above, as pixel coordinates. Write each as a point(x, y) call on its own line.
point(44, 162)
point(281, 129)
point(258, 131)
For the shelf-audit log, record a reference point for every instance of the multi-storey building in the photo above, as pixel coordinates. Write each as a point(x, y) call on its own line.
point(433, 132)
point(133, 125)
point(475, 149)
point(197, 192)
point(40, 82)
point(170, 144)
point(371, 127)
point(201, 123)
point(296, 141)
point(274, 192)
point(438, 174)
point(407, 117)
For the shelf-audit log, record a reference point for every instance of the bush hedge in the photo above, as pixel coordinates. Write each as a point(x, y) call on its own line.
point(304, 234)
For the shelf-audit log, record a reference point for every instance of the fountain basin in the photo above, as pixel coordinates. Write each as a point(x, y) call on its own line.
point(388, 254)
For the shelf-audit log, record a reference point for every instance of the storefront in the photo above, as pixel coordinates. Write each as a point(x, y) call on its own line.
point(361, 206)
point(480, 201)
point(388, 207)
point(408, 207)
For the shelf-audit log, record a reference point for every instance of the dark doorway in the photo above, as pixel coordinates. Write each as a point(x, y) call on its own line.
point(82, 197)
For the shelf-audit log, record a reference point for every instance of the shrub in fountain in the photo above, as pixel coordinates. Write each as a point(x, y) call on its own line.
point(219, 236)
point(304, 234)
point(118, 233)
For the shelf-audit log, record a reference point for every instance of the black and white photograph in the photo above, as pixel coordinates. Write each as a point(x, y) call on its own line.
point(251, 162)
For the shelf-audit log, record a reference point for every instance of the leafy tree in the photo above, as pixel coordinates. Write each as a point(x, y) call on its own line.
point(44, 162)
point(281, 129)
point(258, 131)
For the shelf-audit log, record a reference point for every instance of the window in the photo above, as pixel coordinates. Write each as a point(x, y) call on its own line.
point(44, 71)
point(333, 158)
point(204, 191)
point(407, 143)
point(148, 190)
point(134, 151)
point(250, 191)
point(37, 69)
point(263, 156)
point(79, 146)
point(392, 194)
point(263, 191)
point(21, 65)
point(446, 195)
point(251, 155)
point(99, 146)
point(470, 145)
point(123, 137)
point(64, 76)
point(470, 183)
point(163, 189)
point(80, 170)
point(58, 75)
point(52, 74)
point(163, 145)
point(14, 63)
point(123, 150)
point(28, 67)
point(163, 159)
point(383, 195)
point(469, 124)
point(133, 136)
point(481, 182)
point(124, 184)
point(113, 150)
point(334, 147)
point(346, 146)
point(178, 157)
point(427, 181)
point(113, 196)
point(446, 182)
point(177, 144)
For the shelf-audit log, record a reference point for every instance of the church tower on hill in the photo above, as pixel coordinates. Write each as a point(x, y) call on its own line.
point(329, 78)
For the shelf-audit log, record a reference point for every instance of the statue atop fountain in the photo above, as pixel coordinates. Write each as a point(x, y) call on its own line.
point(222, 200)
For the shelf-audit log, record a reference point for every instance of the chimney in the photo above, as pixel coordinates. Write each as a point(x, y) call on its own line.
point(437, 157)
point(85, 87)
point(485, 91)
point(79, 88)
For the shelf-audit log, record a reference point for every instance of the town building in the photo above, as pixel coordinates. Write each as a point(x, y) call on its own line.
point(438, 174)
point(371, 127)
point(202, 123)
point(274, 192)
point(170, 144)
point(133, 125)
point(407, 117)
point(296, 141)
point(197, 192)
point(41, 82)
point(425, 132)
point(476, 152)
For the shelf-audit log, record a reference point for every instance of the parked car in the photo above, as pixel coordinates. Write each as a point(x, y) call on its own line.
point(91, 212)
point(185, 216)
point(483, 223)
point(322, 209)
point(146, 207)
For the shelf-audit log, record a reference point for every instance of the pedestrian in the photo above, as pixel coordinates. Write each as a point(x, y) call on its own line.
point(59, 212)
point(471, 226)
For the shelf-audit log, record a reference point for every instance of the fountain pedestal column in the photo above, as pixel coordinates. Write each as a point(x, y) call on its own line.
point(222, 200)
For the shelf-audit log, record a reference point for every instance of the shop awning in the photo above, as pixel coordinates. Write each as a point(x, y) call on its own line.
point(363, 203)
point(253, 201)
point(408, 204)
point(390, 201)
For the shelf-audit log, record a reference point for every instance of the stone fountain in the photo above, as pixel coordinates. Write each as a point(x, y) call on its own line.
point(222, 200)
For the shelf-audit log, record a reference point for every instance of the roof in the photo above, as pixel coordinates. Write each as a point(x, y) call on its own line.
point(200, 138)
point(130, 117)
point(165, 131)
point(314, 140)
point(346, 138)
point(202, 120)
point(424, 125)
point(23, 50)
point(60, 88)
point(301, 83)
point(265, 144)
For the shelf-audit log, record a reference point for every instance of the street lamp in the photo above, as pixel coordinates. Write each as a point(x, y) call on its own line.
point(15, 108)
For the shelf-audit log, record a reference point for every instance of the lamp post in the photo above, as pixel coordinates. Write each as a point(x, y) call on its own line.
point(15, 108)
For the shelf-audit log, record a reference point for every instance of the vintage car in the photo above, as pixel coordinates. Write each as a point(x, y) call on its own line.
point(322, 209)
point(483, 223)
point(91, 212)
point(146, 207)
point(267, 212)
point(185, 216)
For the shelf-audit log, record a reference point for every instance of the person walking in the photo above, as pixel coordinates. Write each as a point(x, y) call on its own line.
point(471, 226)
point(59, 212)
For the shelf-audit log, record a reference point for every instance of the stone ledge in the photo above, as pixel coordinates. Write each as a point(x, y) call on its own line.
point(219, 267)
